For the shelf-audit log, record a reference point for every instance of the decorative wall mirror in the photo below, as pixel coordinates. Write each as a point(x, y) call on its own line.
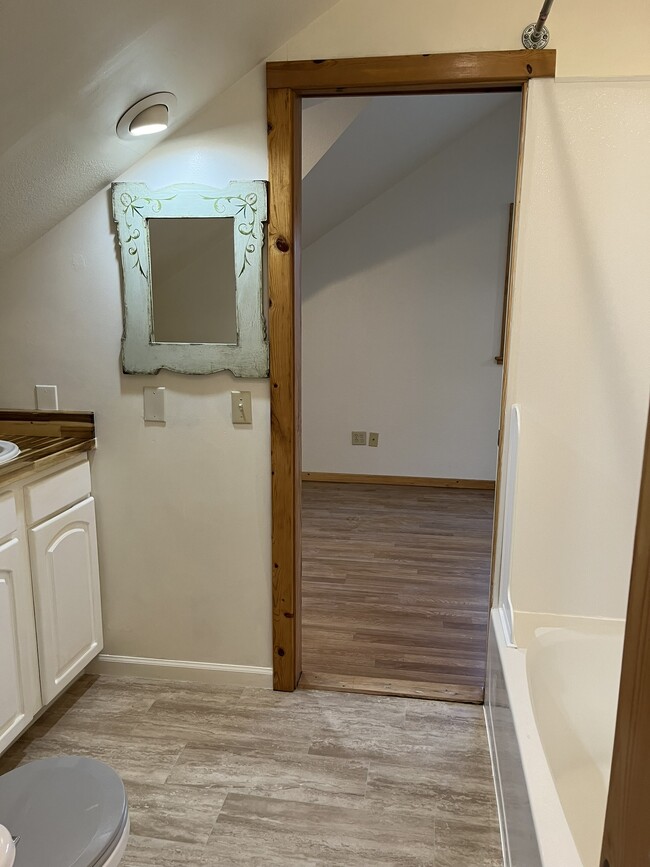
point(192, 268)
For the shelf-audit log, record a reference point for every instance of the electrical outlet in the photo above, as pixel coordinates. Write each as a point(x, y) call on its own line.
point(358, 437)
point(373, 439)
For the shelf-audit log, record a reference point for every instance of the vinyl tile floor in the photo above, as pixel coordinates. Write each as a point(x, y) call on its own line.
point(396, 586)
point(232, 776)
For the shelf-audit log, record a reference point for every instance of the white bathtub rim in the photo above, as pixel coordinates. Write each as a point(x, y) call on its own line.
point(526, 622)
point(554, 838)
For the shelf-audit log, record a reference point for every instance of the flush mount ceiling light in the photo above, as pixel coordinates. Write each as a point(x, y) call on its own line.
point(147, 116)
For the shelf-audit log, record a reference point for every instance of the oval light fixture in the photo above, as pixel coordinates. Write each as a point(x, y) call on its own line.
point(147, 116)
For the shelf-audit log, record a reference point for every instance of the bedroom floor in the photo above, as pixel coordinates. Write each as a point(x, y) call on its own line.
point(395, 588)
point(230, 776)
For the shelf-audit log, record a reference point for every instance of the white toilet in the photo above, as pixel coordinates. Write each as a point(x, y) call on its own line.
point(63, 812)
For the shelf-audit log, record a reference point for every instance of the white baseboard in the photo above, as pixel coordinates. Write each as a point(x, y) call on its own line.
point(178, 669)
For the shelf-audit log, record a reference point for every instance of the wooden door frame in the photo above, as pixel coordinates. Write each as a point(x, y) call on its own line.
point(626, 837)
point(287, 83)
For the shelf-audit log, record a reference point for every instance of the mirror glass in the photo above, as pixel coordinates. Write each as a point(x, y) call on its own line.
point(193, 285)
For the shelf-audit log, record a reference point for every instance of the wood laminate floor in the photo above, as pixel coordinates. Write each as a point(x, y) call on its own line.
point(225, 776)
point(396, 588)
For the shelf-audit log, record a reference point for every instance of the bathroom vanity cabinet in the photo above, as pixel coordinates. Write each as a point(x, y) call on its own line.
point(50, 610)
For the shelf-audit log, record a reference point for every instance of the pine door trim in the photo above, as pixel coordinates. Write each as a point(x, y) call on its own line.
point(287, 83)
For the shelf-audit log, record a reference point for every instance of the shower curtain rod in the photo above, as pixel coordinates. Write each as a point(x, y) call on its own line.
point(537, 35)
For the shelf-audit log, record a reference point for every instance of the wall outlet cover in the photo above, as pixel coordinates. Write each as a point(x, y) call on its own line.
point(47, 397)
point(358, 437)
point(154, 404)
point(373, 439)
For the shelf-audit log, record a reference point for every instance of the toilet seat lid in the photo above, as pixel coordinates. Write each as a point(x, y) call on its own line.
point(68, 812)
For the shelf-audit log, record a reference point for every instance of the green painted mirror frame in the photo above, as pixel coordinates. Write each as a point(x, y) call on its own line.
point(243, 201)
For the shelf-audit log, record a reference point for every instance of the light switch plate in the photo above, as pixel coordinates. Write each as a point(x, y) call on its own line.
point(358, 437)
point(46, 397)
point(154, 404)
point(373, 439)
point(242, 410)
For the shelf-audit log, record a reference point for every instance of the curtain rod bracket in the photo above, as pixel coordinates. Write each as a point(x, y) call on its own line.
point(528, 37)
point(536, 35)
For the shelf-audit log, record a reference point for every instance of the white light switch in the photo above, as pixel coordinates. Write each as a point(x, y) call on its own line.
point(242, 412)
point(46, 397)
point(154, 404)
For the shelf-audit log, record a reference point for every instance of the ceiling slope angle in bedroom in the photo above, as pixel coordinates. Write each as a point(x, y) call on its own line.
point(382, 144)
point(323, 122)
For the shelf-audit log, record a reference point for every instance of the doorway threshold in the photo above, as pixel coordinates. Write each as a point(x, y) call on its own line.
point(391, 686)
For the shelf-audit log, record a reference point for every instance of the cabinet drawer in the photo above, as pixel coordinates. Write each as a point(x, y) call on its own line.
point(8, 516)
point(57, 492)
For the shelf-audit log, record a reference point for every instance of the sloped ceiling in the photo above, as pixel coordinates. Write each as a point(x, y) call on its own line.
point(70, 68)
point(323, 122)
point(385, 141)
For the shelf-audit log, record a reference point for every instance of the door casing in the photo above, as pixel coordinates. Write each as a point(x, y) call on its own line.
point(287, 83)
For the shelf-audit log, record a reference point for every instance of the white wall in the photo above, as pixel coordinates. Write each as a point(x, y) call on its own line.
point(581, 345)
point(185, 540)
point(402, 308)
point(184, 510)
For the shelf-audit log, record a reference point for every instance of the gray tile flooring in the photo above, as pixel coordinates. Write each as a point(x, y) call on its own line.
point(221, 776)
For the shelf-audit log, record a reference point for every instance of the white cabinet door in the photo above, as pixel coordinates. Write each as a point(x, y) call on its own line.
point(65, 576)
point(20, 696)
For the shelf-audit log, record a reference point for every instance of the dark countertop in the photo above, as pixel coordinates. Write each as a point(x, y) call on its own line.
point(44, 439)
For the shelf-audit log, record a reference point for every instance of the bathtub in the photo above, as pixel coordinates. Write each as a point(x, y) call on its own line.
point(550, 712)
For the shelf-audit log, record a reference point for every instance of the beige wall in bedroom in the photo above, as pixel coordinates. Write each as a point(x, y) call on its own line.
point(184, 510)
point(402, 309)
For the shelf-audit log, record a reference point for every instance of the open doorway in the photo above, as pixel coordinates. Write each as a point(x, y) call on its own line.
point(406, 211)
point(287, 84)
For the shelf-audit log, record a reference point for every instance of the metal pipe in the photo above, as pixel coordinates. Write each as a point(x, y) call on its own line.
point(541, 21)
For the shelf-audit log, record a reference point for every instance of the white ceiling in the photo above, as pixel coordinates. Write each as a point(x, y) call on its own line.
point(70, 68)
point(384, 142)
